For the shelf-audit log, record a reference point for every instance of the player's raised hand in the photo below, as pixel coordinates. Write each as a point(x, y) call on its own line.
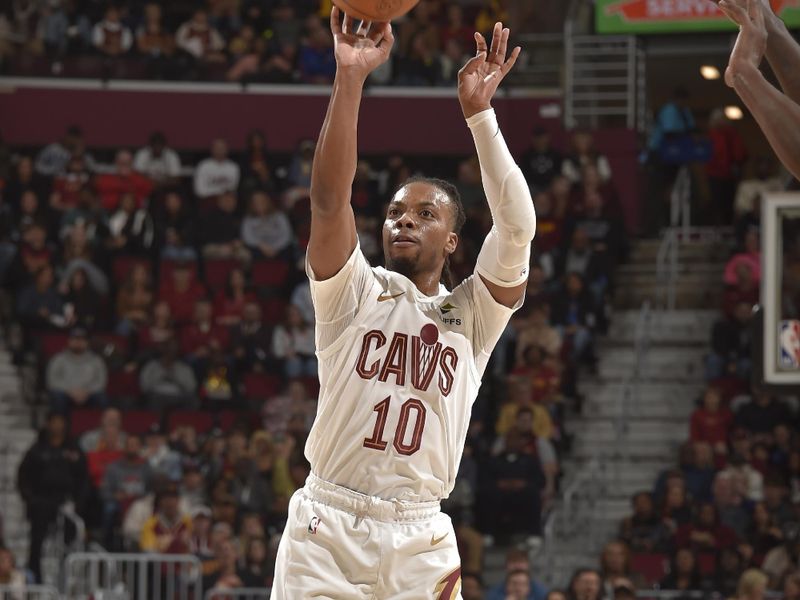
point(752, 41)
point(362, 50)
point(479, 79)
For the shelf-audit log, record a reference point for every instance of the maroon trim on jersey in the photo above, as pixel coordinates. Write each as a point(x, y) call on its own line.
point(449, 586)
point(446, 377)
point(361, 367)
point(420, 380)
point(419, 427)
point(395, 361)
point(376, 441)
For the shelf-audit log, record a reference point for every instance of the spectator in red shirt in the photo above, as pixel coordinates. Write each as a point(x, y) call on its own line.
point(724, 169)
point(230, 302)
point(110, 187)
point(167, 531)
point(549, 226)
point(202, 338)
point(158, 330)
point(181, 292)
point(711, 422)
point(746, 289)
point(68, 186)
point(705, 534)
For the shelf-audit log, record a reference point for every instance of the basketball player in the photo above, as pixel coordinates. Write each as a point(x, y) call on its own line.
point(400, 356)
point(778, 113)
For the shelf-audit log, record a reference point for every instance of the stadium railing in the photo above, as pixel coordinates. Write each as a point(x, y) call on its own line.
point(238, 594)
point(133, 576)
point(28, 592)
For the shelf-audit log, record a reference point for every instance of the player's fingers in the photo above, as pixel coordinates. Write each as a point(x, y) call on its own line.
point(348, 25)
point(501, 51)
point(336, 20)
point(757, 14)
point(496, 35)
point(736, 13)
point(512, 60)
point(363, 28)
point(481, 43)
point(377, 32)
point(388, 38)
point(473, 64)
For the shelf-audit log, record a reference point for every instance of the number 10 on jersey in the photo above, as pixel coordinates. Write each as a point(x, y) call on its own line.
point(376, 440)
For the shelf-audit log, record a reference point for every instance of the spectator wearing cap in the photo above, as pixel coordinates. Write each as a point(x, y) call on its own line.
point(110, 36)
point(219, 229)
point(160, 458)
point(266, 229)
point(77, 376)
point(217, 174)
point(517, 561)
point(168, 531)
point(643, 531)
point(125, 480)
point(541, 162)
point(111, 186)
point(53, 471)
point(785, 559)
point(167, 381)
point(157, 161)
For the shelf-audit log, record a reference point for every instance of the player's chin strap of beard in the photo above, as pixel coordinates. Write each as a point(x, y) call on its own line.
point(505, 256)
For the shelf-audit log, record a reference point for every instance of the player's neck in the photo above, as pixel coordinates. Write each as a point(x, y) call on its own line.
point(427, 283)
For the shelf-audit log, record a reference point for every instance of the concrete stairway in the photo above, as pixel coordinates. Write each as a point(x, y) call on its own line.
point(16, 436)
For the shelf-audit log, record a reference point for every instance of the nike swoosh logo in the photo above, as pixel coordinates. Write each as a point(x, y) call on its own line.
point(435, 540)
point(385, 298)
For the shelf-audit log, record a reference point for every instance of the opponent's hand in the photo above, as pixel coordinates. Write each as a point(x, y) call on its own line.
point(360, 51)
point(479, 79)
point(752, 41)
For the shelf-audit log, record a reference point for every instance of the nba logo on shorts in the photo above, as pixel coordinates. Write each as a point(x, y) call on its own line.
point(790, 344)
point(313, 524)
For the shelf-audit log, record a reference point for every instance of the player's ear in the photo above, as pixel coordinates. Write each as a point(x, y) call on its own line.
point(452, 243)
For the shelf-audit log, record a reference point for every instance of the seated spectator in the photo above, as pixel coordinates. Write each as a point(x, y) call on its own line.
point(266, 230)
point(174, 229)
point(217, 174)
point(130, 228)
point(784, 559)
point(764, 532)
point(421, 65)
point(256, 172)
point(583, 153)
point(676, 509)
point(745, 290)
point(572, 313)
point(580, 258)
point(225, 576)
point(699, 474)
point(616, 569)
point(711, 422)
point(762, 414)
point(125, 480)
point(230, 302)
point(791, 587)
point(134, 300)
point(202, 337)
point(163, 462)
point(541, 163)
point(251, 340)
point(200, 542)
point(219, 229)
point(199, 39)
point(142, 509)
point(110, 36)
point(257, 571)
point(293, 343)
point(595, 209)
point(517, 561)
point(68, 186)
point(643, 531)
point(472, 586)
point(166, 381)
point(542, 378)
point(168, 530)
point(39, 305)
point(777, 500)
point(518, 585)
point(76, 376)
point(731, 346)
point(111, 187)
point(705, 533)
point(299, 176)
point(585, 584)
point(33, 253)
point(158, 330)
point(193, 485)
point(83, 303)
point(108, 435)
point(158, 47)
point(549, 231)
point(752, 585)
point(157, 161)
point(514, 481)
point(746, 483)
point(12, 579)
point(315, 61)
point(53, 158)
point(537, 329)
point(750, 256)
point(87, 213)
point(684, 573)
point(53, 471)
point(181, 292)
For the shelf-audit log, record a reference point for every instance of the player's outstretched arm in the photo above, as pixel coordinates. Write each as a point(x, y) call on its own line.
point(333, 228)
point(776, 113)
point(783, 52)
point(504, 258)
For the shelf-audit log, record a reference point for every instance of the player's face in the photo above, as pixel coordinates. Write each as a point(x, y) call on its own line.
point(417, 233)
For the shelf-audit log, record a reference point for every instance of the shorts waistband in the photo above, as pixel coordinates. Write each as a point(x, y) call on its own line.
point(363, 506)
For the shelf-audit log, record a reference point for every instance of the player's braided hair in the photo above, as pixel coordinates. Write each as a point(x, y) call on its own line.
point(459, 217)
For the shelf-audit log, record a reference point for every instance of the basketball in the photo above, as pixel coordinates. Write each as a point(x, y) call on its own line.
point(376, 10)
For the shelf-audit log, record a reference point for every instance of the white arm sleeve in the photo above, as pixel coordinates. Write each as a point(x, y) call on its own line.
point(505, 256)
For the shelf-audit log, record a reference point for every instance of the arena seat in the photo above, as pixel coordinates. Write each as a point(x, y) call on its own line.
point(273, 310)
point(270, 273)
point(217, 272)
point(201, 421)
point(653, 567)
point(123, 265)
point(166, 267)
point(83, 420)
point(259, 386)
point(51, 344)
point(123, 384)
point(139, 421)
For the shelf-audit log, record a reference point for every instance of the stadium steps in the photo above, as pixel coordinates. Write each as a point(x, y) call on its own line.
point(16, 436)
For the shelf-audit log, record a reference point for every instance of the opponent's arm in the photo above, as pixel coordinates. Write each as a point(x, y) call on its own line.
point(504, 258)
point(333, 228)
point(776, 113)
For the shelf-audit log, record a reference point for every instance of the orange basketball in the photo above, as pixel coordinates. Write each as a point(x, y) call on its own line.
point(376, 10)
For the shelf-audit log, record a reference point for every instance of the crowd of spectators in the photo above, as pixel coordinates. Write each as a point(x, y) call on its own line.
point(171, 324)
point(272, 41)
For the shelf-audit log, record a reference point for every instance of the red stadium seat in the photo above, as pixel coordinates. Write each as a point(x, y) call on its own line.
point(139, 421)
point(260, 386)
point(653, 567)
point(229, 418)
point(166, 267)
point(123, 384)
point(217, 272)
point(52, 343)
point(123, 265)
point(201, 421)
point(83, 420)
point(110, 344)
point(312, 385)
point(706, 563)
point(273, 310)
point(270, 273)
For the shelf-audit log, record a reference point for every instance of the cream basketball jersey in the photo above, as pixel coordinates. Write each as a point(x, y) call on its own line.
point(399, 372)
